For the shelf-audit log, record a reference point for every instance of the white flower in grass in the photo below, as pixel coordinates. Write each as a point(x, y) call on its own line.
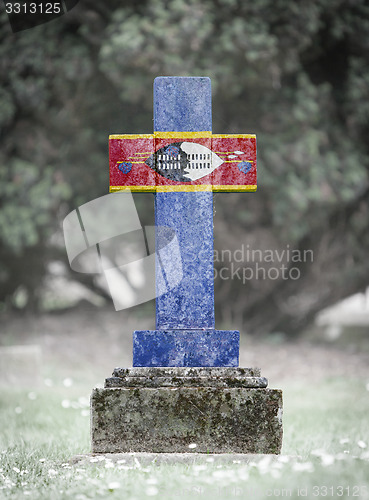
point(318, 453)
point(85, 413)
point(65, 403)
point(199, 467)
point(114, 485)
point(124, 467)
point(8, 483)
point(327, 460)
point(243, 474)
point(42, 460)
point(192, 446)
point(264, 464)
point(341, 456)
point(94, 459)
point(68, 382)
point(32, 396)
point(210, 459)
point(275, 473)
point(18, 410)
point(344, 440)
point(277, 465)
point(26, 492)
point(220, 474)
point(15, 469)
point(83, 401)
point(152, 491)
point(361, 444)
point(122, 461)
point(303, 467)
point(152, 480)
point(52, 472)
point(109, 465)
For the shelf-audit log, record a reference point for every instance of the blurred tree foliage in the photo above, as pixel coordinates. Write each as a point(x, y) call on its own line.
point(295, 73)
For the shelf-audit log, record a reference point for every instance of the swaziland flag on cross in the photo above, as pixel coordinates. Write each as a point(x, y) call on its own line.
point(183, 161)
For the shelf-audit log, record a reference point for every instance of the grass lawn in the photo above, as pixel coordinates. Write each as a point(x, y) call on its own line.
point(325, 451)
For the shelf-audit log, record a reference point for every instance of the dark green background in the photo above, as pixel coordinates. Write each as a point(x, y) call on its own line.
point(294, 73)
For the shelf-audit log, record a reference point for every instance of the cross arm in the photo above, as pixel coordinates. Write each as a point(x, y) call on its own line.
point(183, 161)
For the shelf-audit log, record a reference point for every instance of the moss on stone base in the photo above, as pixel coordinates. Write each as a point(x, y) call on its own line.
point(165, 419)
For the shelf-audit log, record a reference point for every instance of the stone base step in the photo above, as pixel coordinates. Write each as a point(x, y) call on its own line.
point(170, 419)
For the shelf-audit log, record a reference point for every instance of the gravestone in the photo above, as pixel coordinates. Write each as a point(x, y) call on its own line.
point(185, 391)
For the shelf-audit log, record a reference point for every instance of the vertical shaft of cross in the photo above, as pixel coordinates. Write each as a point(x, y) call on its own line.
point(184, 105)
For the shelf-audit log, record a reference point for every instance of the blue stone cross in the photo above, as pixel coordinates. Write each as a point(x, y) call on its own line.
point(185, 332)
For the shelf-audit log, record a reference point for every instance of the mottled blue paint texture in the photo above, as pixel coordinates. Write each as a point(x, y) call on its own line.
point(185, 348)
point(185, 334)
point(191, 303)
point(182, 104)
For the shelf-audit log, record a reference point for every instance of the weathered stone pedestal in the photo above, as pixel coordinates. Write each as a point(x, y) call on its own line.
point(164, 410)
